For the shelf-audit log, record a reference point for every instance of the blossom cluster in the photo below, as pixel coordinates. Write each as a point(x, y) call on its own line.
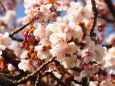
point(5, 41)
point(62, 38)
point(62, 30)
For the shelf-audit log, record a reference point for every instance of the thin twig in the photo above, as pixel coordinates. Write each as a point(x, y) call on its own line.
point(19, 29)
point(34, 73)
point(23, 27)
point(38, 79)
point(95, 15)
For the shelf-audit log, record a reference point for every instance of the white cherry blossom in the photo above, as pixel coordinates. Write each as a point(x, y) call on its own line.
point(5, 41)
point(25, 65)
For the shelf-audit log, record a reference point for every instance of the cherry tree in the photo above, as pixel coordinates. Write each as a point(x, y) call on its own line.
point(57, 43)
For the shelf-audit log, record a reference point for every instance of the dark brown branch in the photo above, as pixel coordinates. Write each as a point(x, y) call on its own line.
point(22, 80)
point(4, 77)
point(23, 27)
point(19, 29)
point(95, 15)
point(111, 7)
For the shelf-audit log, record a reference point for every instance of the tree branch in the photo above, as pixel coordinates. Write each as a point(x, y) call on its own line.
point(23, 27)
point(38, 79)
point(19, 29)
point(95, 15)
point(34, 73)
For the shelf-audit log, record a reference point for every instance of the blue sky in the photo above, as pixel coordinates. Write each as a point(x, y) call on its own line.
point(20, 10)
point(20, 13)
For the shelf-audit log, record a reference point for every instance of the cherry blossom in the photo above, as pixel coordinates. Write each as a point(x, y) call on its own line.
point(25, 65)
point(5, 40)
point(63, 42)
